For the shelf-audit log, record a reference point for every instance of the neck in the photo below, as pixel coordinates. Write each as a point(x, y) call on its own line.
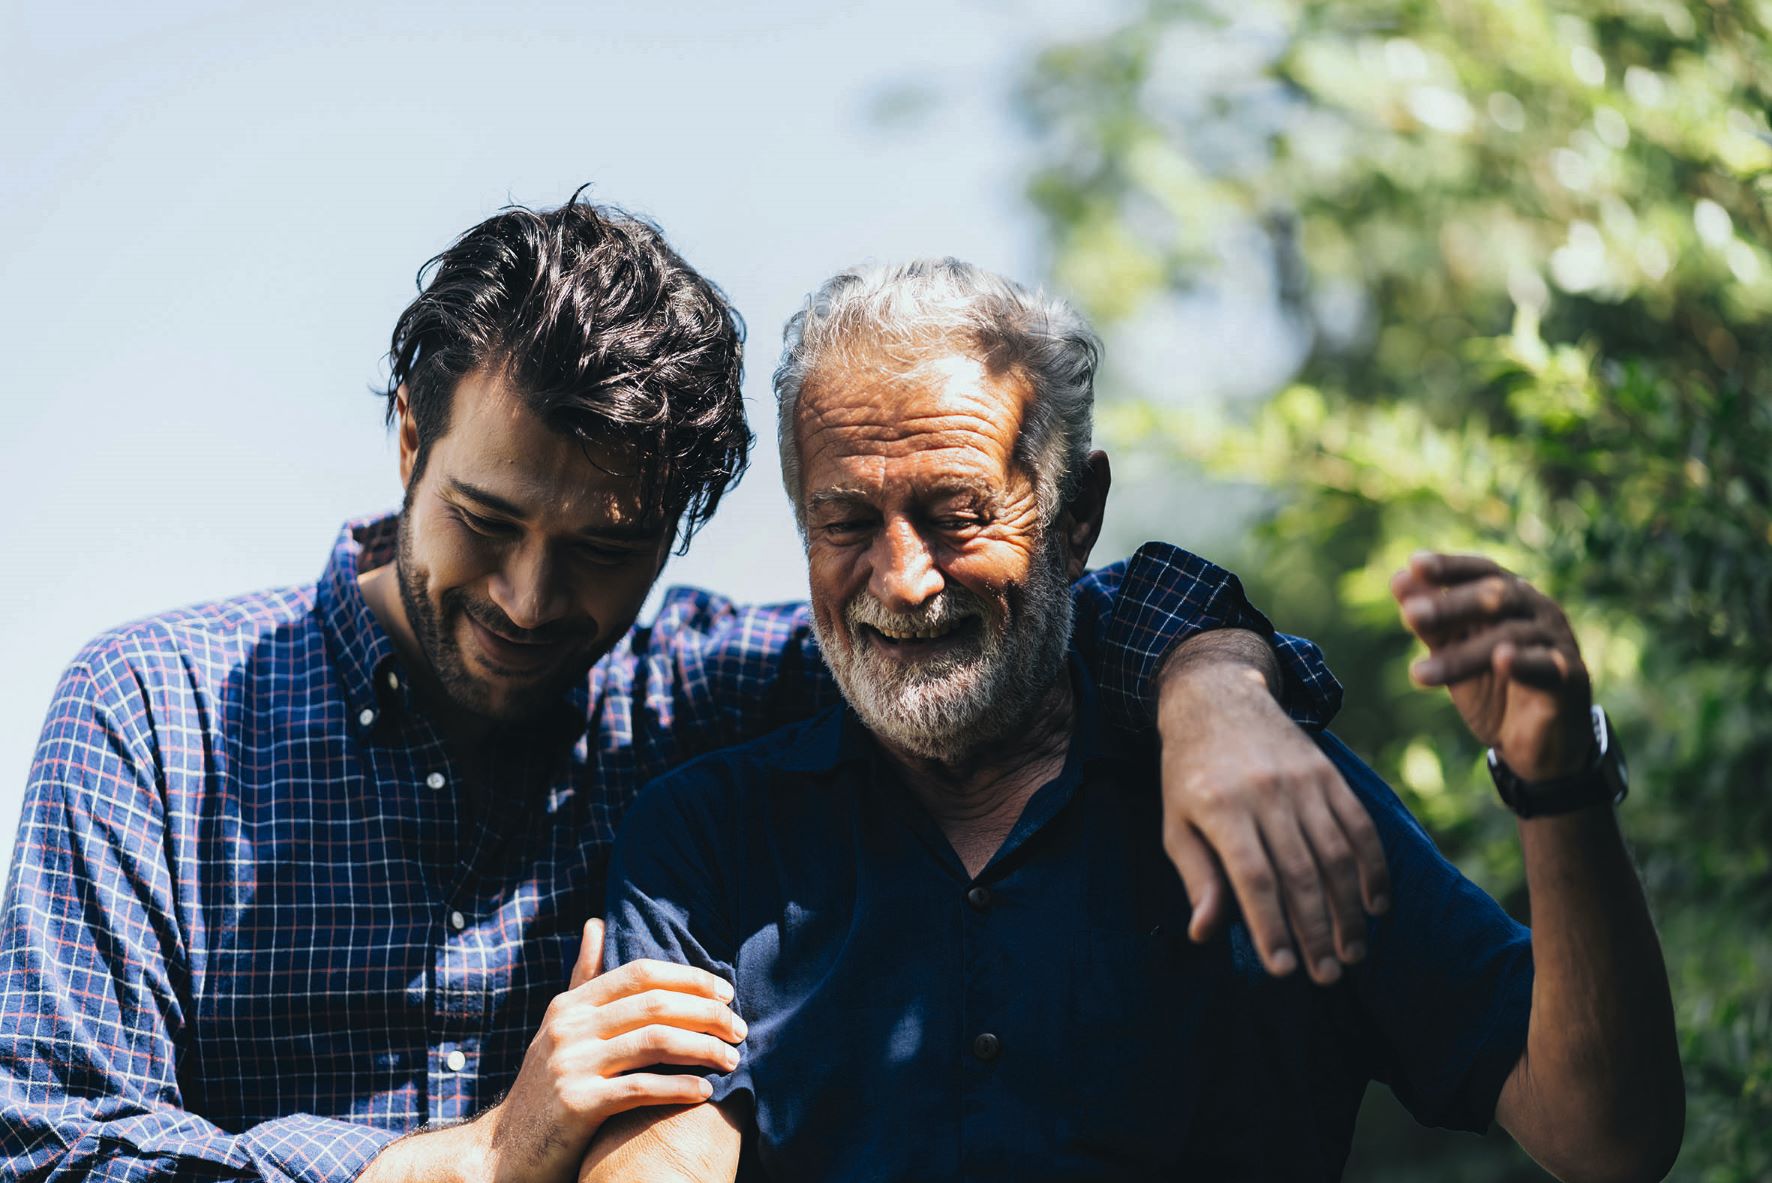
point(461, 730)
point(977, 796)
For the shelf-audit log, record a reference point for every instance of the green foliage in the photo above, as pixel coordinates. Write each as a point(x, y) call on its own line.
point(1526, 243)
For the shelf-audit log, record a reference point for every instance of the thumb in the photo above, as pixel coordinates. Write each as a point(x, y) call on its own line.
point(1201, 876)
point(590, 954)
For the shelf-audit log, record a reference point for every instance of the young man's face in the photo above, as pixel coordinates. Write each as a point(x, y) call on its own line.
point(524, 553)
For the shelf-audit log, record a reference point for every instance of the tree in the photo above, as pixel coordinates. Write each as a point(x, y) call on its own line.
point(1521, 248)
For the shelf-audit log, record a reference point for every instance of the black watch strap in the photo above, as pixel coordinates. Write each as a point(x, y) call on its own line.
point(1604, 781)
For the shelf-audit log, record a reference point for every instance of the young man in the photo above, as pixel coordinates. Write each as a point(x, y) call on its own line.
point(952, 932)
point(305, 871)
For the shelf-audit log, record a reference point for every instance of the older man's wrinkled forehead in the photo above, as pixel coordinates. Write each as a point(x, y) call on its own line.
point(885, 390)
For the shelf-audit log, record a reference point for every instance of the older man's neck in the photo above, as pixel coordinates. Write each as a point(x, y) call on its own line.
point(977, 798)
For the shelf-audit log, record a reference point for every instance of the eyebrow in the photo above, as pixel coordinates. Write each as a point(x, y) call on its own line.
point(844, 495)
point(644, 530)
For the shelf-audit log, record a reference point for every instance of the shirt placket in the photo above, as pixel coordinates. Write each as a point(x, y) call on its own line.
point(462, 973)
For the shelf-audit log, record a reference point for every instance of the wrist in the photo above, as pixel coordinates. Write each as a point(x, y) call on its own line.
point(453, 1154)
point(1211, 696)
point(1222, 661)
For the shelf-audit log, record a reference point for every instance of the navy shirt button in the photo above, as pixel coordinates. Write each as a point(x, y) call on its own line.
point(987, 1046)
point(979, 898)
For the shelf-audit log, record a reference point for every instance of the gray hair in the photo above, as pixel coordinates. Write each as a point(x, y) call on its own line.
point(897, 311)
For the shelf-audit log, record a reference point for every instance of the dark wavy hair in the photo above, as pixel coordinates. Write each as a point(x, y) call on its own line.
point(602, 328)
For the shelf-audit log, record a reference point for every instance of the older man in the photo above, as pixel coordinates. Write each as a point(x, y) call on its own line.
point(952, 932)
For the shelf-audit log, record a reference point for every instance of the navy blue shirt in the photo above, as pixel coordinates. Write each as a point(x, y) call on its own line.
point(1047, 1019)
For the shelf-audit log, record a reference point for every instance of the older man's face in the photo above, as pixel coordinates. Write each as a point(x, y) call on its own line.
point(942, 606)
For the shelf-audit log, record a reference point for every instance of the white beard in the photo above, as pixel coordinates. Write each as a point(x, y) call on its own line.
point(944, 708)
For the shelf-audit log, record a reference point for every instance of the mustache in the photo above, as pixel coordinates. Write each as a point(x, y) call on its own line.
point(489, 617)
point(949, 606)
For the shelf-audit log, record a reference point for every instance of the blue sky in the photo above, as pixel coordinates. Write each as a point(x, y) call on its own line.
point(213, 213)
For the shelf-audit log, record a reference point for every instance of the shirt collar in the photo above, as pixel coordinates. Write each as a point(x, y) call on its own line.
point(368, 668)
point(362, 652)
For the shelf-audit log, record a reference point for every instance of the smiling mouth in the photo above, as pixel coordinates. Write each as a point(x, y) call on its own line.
point(506, 656)
point(913, 637)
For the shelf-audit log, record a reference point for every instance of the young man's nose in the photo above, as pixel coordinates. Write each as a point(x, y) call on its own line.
point(528, 589)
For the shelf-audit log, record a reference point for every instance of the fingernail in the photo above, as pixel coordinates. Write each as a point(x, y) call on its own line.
point(1283, 962)
point(707, 1087)
point(1419, 609)
point(1356, 951)
point(742, 1028)
point(724, 990)
point(1426, 670)
point(1381, 904)
point(1328, 971)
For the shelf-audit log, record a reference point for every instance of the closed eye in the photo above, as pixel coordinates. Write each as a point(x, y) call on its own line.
point(489, 527)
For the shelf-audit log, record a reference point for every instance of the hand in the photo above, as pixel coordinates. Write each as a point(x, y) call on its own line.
point(1248, 795)
point(1507, 654)
point(578, 1071)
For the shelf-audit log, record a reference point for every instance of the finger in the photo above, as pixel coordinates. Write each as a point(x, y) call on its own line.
point(1362, 834)
point(1341, 879)
point(1475, 655)
point(634, 1090)
point(1257, 888)
point(1200, 875)
point(657, 1044)
point(1475, 605)
point(1444, 570)
point(670, 1008)
point(1538, 666)
point(590, 954)
point(638, 976)
point(1302, 893)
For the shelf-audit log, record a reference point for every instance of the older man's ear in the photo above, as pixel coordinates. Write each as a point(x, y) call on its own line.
point(1081, 517)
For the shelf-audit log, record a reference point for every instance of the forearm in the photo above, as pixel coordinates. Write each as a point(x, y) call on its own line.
point(451, 1155)
point(1599, 1091)
point(1203, 663)
point(692, 1144)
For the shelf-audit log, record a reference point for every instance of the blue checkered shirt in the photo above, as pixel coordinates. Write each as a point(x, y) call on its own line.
point(261, 920)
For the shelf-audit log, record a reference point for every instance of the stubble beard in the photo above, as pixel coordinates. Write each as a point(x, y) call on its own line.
point(436, 626)
point(948, 707)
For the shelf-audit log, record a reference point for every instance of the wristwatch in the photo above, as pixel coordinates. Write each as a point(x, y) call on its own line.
point(1605, 779)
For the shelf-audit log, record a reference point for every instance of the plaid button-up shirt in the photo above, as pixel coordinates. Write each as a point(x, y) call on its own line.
point(260, 921)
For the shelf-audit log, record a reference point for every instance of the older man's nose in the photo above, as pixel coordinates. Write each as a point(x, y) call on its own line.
point(904, 575)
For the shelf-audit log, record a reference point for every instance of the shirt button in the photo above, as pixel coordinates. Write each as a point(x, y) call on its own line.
point(979, 898)
point(367, 718)
point(393, 680)
point(986, 1047)
point(456, 1061)
point(457, 921)
point(436, 780)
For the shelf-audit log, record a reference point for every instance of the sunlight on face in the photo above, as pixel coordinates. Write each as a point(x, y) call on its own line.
point(940, 600)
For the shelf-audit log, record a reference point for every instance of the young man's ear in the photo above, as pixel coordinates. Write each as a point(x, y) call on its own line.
point(1082, 516)
point(407, 428)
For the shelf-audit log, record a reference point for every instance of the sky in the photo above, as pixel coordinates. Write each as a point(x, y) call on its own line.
point(214, 212)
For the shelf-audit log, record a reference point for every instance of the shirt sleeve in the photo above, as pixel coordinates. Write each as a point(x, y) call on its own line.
point(1446, 989)
point(1131, 614)
point(667, 894)
point(92, 991)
